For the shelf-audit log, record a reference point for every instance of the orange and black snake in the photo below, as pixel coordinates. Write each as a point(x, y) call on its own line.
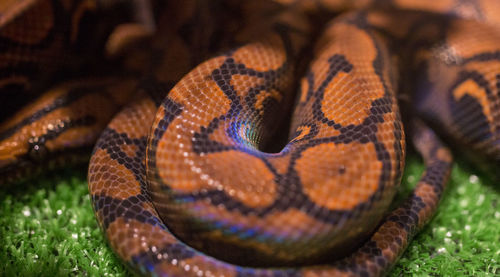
point(193, 177)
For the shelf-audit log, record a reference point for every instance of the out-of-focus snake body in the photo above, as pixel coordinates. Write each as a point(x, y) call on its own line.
point(190, 178)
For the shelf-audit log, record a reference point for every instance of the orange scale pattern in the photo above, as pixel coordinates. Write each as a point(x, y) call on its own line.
point(198, 194)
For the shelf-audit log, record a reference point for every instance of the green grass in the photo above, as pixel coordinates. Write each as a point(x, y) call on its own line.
point(463, 239)
point(47, 228)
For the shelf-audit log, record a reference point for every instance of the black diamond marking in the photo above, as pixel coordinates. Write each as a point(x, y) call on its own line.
point(338, 63)
point(222, 77)
point(129, 208)
point(435, 175)
point(290, 182)
point(467, 112)
point(172, 110)
point(111, 140)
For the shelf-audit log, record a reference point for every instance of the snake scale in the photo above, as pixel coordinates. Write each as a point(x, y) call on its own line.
point(191, 173)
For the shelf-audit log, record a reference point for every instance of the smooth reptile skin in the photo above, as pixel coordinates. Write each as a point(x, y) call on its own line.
point(196, 184)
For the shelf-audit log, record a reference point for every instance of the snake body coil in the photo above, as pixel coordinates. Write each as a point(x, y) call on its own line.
point(186, 184)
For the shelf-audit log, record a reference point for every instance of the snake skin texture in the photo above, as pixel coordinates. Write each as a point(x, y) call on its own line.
point(193, 173)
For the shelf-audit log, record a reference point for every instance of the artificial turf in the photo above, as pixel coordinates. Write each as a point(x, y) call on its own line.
point(47, 228)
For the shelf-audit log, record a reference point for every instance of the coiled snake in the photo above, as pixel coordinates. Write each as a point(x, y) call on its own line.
point(191, 176)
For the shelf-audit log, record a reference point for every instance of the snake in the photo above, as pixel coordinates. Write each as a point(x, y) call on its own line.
point(183, 103)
